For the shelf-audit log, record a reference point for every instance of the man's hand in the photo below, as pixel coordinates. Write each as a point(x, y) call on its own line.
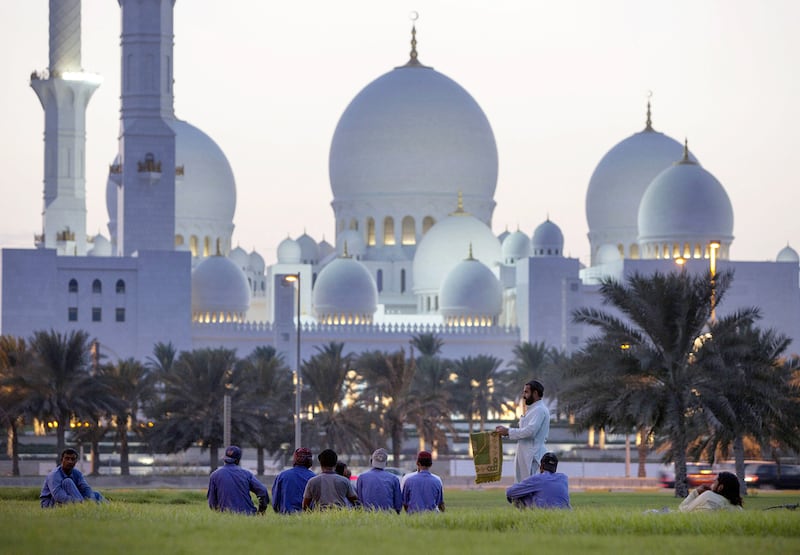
point(502, 430)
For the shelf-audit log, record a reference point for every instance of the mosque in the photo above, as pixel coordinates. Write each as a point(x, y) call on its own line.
point(413, 170)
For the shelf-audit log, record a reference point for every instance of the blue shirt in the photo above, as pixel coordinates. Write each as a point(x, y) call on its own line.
point(229, 489)
point(547, 490)
point(288, 488)
point(378, 489)
point(422, 492)
point(54, 491)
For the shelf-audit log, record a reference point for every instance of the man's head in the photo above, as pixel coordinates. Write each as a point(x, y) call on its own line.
point(549, 462)
point(424, 459)
point(342, 469)
point(327, 458)
point(379, 458)
point(69, 457)
point(233, 455)
point(533, 391)
point(302, 457)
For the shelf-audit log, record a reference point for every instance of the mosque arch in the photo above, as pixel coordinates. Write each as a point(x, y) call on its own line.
point(120, 287)
point(408, 233)
point(179, 240)
point(379, 280)
point(388, 231)
point(97, 286)
point(370, 231)
point(193, 245)
point(206, 246)
point(72, 286)
point(427, 223)
point(353, 224)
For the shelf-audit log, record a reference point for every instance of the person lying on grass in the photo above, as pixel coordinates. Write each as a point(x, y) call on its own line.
point(723, 493)
point(66, 484)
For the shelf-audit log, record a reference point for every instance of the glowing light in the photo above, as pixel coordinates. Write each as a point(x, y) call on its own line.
point(82, 76)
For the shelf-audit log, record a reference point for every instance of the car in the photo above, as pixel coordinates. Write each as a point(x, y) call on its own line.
point(772, 476)
point(696, 474)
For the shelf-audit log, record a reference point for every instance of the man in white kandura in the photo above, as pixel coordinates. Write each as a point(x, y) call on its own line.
point(532, 432)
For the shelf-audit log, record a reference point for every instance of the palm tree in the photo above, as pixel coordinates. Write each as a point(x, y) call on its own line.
point(60, 379)
point(431, 413)
point(475, 388)
point(663, 317)
point(191, 408)
point(271, 388)
point(427, 344)
point(388, 380)
point(753, 394)
point(132, 385)
point(164, 355)
point(337, 420)
point(15, 364)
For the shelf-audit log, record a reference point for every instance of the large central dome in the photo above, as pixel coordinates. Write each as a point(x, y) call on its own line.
point(414, 132)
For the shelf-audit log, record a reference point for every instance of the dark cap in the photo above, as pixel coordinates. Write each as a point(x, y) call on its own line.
point(302, 457)
point(232, 455)
point(425, 458)
point(549, 462)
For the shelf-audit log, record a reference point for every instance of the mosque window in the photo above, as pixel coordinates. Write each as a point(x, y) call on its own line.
point(193, 245)
point(379, 280)
point(97, 314)
point(72, 314)
point(370, 232)
point(409, 234)
point(120, 315)
point(388, 231)
point(206, 246)
point(634, 250)
point(427, 223)
point(403, 280)
point(178, 240)
point(97, 286)
point(73, 285)
point(120, 287)
point(353, 224)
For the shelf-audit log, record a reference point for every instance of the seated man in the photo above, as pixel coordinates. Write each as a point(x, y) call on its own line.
point(288, 488)
point(229, 486)
point(377, 489)
point(423, 491)
point(66, 484)
point(547, 490)
point(329, 490)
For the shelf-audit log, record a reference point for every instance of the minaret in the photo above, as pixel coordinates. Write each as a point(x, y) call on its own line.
point(146, 172)
point(64, 91)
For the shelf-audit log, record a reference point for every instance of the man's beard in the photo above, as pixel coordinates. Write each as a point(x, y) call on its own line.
point(529, 401)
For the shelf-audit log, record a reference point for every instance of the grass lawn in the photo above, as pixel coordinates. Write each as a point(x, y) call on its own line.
point(477, 521)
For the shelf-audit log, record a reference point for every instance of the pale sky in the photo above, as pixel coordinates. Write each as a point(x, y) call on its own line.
point(560, 81)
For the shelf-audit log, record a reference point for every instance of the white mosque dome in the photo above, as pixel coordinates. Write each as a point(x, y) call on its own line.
point(547, 240)
point(289, 252)
point(471, 295)
point(205, 195)
point(239, 257)
point(220, 292)
point(444, 246)
point(685, 205)
point(503, 235)
point(100, 246)
point(788, 254)
point(256, 262)
point(345, 293)
point(516, 245)
point(352, 241)
point(414, 133)
point(309, 249)
point(619, 182)
point(608, 253)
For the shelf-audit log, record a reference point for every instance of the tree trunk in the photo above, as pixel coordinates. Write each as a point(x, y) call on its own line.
point(124, 458)
point(95, 456)
point(738, 457)
point(642, 452)
point(679, 440)
point(14, 439)
point(260, 460)
point(213, 457)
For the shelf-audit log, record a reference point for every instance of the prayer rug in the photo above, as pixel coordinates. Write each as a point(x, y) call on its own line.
point(487, 454)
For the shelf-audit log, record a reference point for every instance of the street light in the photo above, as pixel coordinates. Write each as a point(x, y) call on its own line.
point(298, 386)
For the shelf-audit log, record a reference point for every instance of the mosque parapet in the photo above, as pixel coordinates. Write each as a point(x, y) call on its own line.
point(379, 328)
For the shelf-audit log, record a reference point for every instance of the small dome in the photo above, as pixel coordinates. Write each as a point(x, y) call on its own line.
point(345, 293)
point(788, 254)
point(239, 257)
point(256, 262)
point(515, 246)
point(100, 246)
point(289, 252)
point(220, 292)
point(325, 248)
point(444, 246)
point(354, 242)
point(684, 205)
point(608, 253)
point(547, 240)
point(502, 236)
point(471, 295)
point(308, 248)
